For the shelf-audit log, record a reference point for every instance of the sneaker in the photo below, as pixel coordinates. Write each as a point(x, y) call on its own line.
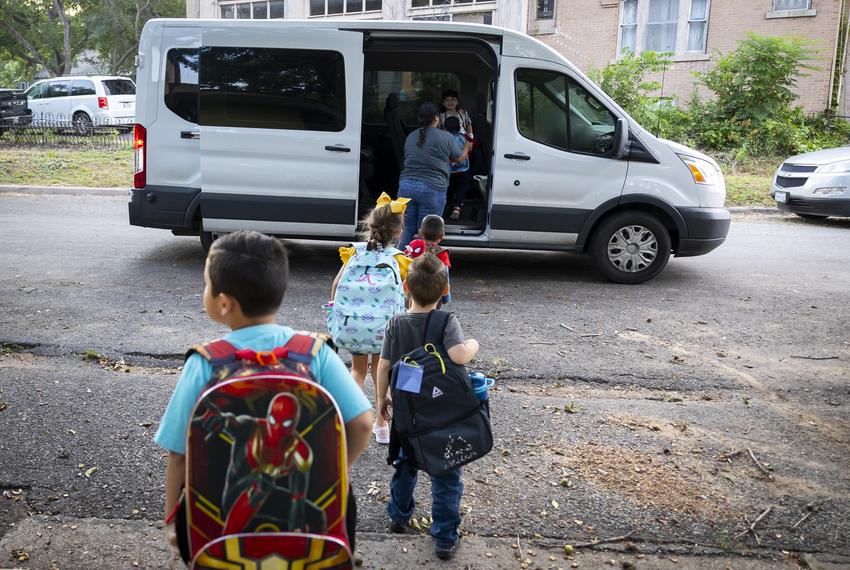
point(447, 552)
point(455, 215)
point(382, 434)
point(398, 527)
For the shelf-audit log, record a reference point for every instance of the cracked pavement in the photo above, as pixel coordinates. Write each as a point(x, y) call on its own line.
point(617, 409)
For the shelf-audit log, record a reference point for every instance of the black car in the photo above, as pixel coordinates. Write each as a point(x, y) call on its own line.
point(13, 109)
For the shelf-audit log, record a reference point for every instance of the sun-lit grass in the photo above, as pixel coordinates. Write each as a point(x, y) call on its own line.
point(66, 167)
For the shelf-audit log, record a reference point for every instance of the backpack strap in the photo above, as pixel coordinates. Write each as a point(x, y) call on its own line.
point(305, 346)
point(217, 352)
point(435, 327)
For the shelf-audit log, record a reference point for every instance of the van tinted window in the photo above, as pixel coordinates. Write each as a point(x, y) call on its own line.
point(555, 110)
point(119, 87)
point(181, 83)
point(37, 91)
point(82, 87)
point(58, 89)
point(271, 88)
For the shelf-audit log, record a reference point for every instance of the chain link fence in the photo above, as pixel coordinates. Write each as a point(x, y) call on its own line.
point(77, 132)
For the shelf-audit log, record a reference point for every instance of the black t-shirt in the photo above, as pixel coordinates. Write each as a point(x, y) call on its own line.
point(406, 331)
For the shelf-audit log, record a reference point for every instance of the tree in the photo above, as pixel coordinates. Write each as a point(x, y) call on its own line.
point(116, 26)
point(43, 33)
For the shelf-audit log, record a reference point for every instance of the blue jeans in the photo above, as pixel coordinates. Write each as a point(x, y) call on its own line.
point(425, 200)
point(446, 491)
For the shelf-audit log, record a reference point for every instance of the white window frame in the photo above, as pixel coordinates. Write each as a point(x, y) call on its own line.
point(776, 8)
point(250, 3)
point(345, 10)
point(440, 4)
point(682, 29)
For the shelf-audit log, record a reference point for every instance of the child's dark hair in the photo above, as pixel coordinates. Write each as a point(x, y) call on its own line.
point(427, 112)
point(432, 228)
point(452, 124)
point(427, 279)
point(252, 268)
point(381, 226)
point(450, 93)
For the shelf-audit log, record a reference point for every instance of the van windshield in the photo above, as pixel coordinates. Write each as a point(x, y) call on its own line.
point(119, 87)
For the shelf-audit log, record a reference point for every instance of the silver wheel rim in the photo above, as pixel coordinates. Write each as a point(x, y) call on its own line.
point(632, 248)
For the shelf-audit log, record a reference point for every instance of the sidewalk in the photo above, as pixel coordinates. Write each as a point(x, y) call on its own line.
point(60, 542)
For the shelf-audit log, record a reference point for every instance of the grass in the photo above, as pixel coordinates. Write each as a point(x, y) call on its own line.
point(66, 167)
point(747, 183)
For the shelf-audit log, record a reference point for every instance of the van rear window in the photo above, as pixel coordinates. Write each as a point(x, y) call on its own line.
point(119, 87)
point(270, 88)
point(181, 82)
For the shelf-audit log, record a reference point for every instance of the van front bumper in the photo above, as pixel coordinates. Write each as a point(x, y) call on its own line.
point(707, 229)
point(164, 207)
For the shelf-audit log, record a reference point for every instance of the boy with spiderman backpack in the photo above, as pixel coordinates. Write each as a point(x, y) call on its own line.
point(245, 279)
point(438, 423)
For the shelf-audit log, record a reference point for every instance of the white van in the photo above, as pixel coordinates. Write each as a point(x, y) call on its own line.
point(83, 102)
point(279, 126)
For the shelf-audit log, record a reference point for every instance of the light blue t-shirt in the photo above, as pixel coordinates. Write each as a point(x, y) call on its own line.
point(327, 368)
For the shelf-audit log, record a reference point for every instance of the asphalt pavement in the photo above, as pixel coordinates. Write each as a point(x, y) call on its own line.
point(672, 413)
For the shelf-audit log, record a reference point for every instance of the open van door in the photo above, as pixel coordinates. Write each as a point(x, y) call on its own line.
point(556, 156)
point(280, 119)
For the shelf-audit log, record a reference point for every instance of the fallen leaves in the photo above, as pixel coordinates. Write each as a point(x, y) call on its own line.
point(20, 555)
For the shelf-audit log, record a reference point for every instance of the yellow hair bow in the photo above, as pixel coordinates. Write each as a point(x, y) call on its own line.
point(398, 206)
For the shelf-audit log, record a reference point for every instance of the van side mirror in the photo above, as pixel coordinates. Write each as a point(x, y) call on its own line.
point(621, 138)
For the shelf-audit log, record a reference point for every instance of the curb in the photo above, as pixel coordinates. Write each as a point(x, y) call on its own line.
point(62, 190)
point(80, 191)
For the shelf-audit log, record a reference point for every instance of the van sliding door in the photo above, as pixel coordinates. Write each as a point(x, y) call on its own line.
point(280, 115)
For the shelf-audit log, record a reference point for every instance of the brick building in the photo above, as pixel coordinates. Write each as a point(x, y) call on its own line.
point(592, 32)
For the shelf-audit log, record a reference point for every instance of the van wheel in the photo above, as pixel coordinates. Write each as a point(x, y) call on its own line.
point(207, 239)
point(82, 124)
point(630, 247)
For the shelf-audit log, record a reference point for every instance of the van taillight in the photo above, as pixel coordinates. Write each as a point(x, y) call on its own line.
point(140, 136)
point(102, 103)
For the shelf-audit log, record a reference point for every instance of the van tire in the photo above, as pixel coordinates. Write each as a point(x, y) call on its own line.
point(82, 124)
point(207, 239)
point(631, 230)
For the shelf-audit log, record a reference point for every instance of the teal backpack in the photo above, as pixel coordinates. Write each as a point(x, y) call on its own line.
point(367, 295)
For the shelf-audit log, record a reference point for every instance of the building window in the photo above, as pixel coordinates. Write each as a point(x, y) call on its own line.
point(792, 5)
point(661, 25)
point(666, 26)
point(439, 3)
point(339, 7)
point(628, 26)
point(545, 9)
point(262, 10)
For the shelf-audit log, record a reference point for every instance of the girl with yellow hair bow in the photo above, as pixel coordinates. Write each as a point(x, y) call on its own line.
point(382, 228)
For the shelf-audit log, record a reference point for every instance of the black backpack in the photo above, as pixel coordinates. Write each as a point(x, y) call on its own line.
point(445, 425)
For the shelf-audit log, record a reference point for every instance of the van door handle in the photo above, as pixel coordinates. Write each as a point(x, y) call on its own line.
point(338, 148)
point(190, 134)
point(518, 156)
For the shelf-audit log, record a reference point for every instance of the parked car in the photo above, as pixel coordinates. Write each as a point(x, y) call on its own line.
point(272, 139)
point(814, 185)
point(83, 103)
point(13, 109)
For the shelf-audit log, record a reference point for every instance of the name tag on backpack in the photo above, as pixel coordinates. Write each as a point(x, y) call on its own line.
point(409, 377)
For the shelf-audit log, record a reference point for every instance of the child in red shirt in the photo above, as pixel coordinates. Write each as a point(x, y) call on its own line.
point(431, 233)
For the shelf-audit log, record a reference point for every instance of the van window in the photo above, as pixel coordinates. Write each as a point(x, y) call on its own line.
point(119, 87)
point(270, 88)
point(181, 82)
point(553, 109)
point(82, 87)
point(412, 87)
point(58, 89)
point(37, 91)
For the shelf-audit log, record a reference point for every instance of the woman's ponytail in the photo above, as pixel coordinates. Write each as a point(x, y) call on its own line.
point(427, 112)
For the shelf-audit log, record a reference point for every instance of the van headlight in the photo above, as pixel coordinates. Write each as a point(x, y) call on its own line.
point(843, 166)
point(702, 171)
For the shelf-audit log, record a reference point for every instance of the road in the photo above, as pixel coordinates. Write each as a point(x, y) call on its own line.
point(618, 409)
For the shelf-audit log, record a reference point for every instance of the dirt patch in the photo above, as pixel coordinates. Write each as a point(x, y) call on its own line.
point(647, 480)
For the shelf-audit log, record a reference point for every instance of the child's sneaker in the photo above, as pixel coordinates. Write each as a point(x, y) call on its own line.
point(398, 527)
point(382, 434)
point(447, 551)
